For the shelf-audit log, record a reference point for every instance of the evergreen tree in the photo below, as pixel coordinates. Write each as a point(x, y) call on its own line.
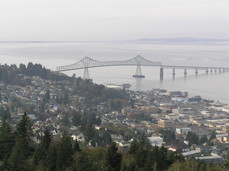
point(66, 98)
point(89, 131)
point(24, 129)
point(113, 158)
point(83, 163)
point(212, 136)
point(134, 146)
point(64, 152)
point(169, 136)
point(6, 139)
point(194, 165)
point(162, 159)
point(42, 148)
point(142, 151)
point(106, 138)
point(128, 163)
point(22, 148)
point(66, 121)
point(192, 138)
point(46, 97)
point(22, 68)
point(52, 157)
point(76, 119)
point(19, 155)
point(5, 113)
point(203, 139)
point(84, 121)
point(77, 146)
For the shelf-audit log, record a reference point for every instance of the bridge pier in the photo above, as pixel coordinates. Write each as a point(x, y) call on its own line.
point(138, 73)
point(206, 71)
point(86, 74)
point(174, 73)
point(211, 70)
point(138, 84)
point(196, 71)
point(161, 73)
point(185, 72)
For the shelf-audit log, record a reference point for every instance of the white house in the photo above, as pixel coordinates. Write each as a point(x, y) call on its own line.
point(183, 130)
point(156, 141)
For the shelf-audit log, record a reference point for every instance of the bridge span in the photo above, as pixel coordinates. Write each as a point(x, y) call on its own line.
point(138, 61)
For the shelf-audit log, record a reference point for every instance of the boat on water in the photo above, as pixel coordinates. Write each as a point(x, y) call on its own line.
point(139, 76)
point(126, 86)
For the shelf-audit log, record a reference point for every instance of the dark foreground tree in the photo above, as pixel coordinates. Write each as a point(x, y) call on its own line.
point(76, 146)
point(64, 152)
point(194, 165)
point(52, 157)
point(113, 158)
point(6, 139)
point(42, 149)
point(23, 145)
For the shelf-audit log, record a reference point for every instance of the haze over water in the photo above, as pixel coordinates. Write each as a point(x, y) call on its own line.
point(53, 54)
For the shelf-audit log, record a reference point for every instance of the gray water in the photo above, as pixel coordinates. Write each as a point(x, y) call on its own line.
point(52, 54)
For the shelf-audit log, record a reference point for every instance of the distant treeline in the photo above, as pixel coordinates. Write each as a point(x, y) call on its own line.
point(93, 93)
point(12, 74)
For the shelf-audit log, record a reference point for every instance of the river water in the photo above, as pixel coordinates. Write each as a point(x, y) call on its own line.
point(52, 54)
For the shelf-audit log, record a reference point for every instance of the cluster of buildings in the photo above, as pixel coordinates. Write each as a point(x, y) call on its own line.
point(147, 112)
point(175, 111)
point(43, 101)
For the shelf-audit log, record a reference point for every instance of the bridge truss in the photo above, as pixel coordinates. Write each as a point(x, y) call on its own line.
point(138, 61)
point(87, 62)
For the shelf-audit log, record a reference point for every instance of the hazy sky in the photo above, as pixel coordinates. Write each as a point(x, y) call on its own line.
point(82, 20)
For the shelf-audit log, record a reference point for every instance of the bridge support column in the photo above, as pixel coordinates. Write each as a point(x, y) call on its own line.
point(161, 73)
point(219, 69)
point(138, 84)
point(174, 73)
point(86, 74)
point(206, 71)
point(211, 70)
point(215, 70)
point(185, 72)
point(138, 73)
point(196, 71)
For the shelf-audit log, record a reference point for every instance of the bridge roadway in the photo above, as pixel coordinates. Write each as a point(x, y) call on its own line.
point(138, 61)
point(91, 63)
point(193, 67)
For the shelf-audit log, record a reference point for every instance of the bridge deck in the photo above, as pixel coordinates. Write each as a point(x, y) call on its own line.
point(136, 61)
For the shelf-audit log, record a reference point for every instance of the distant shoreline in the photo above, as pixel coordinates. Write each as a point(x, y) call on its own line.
point(141, 40)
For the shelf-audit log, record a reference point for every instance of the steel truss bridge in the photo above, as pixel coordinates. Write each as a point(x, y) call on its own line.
point(138, 61)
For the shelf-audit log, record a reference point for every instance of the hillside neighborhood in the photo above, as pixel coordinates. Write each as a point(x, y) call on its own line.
point(193, 126)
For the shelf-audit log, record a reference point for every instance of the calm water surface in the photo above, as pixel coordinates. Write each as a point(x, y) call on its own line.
point(51, 55)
